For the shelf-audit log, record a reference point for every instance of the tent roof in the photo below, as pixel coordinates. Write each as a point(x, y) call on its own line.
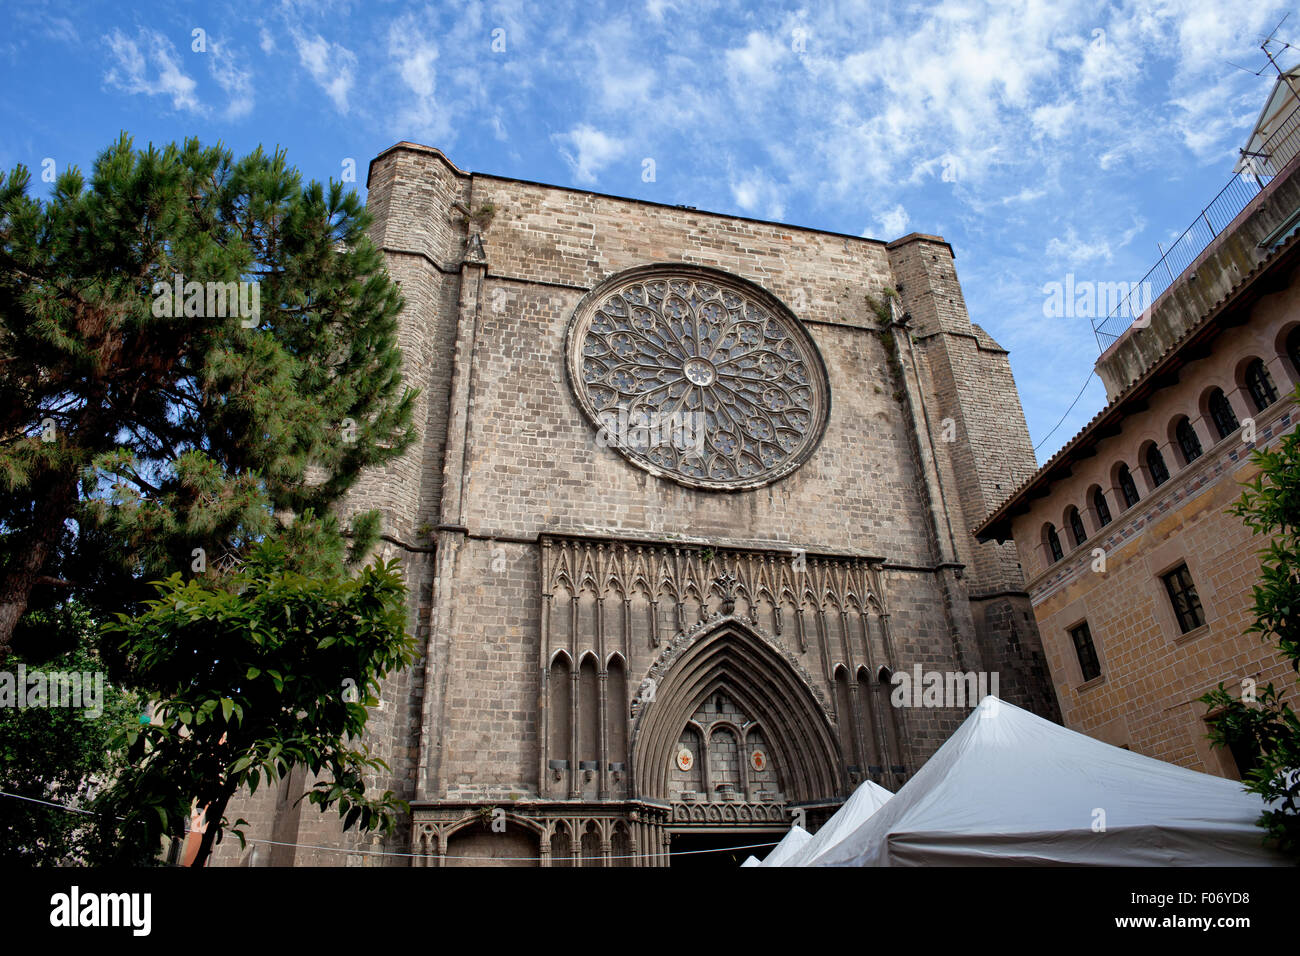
point(790, 844)
point(865, 801)
point(1012, 788)
point(750, 861)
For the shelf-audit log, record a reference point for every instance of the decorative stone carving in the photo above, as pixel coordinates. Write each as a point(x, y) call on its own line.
point(705, 814)
point(698, 377)
point(726, 585)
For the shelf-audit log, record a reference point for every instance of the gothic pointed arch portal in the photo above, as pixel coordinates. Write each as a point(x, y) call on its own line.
point(756, 726)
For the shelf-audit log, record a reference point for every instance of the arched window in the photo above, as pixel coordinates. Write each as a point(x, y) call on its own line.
point(1156, 466)
point(1076, 527)
point(1099, 505)
point(1260, 385)
point(1127, 488)
point(1054, 543)
point(893, 736)
point(870, 735)
point(591, 844)
point(844, 717)
point(560, 719)
point(1293, 349)
point(615, 723)
point(1225, 420)
point(621, 846)
point(561, 847)
point(1187, 440)
point(588, 714)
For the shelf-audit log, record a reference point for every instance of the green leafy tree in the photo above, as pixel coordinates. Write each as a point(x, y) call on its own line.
point(58, 755)
point(270, 671)
point(1265, 731)
point(176, 431)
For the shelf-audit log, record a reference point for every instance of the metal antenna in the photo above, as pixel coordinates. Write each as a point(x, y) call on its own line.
point(1268, 53)
point(1244, 69)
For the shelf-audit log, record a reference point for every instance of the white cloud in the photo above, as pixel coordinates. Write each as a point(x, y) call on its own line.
point(655, 9)
point(1076, 251)
point(330, 65)
point(234, 76)
point(1208, 117)
point(892, 223)
point(755, 64)
point(622, 79)
point(1053, 119)
point(414, 55)
point(1139, 224)
point(1028, 194)
point(588, 151)
point(61, 30)
point(758, 195)
point(131, 71)
point(1111, 52)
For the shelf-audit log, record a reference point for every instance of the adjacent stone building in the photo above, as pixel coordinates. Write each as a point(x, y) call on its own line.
point(1141, 580)
point(692, 489)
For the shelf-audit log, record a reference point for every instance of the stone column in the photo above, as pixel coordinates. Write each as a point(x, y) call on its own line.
point(602, 728)
point(574, 688)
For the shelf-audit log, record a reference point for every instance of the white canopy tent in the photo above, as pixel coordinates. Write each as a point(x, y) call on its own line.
point(790, 844)
point(866, 800)
point(750, 861)
point(1010, 788)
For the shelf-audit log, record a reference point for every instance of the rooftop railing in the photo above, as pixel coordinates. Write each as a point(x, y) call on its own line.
point(1258, 169)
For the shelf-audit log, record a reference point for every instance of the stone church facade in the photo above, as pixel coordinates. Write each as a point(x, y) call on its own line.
point(692, 490)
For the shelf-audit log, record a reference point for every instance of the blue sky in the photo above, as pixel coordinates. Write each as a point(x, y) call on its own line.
point(1040, 139)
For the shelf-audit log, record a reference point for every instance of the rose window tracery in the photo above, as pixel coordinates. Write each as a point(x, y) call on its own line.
point(698, 377)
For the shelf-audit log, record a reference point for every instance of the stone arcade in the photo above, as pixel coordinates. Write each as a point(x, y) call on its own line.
point(637, 647)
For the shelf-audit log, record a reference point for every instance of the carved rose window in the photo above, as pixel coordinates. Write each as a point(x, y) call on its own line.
point(698, 377)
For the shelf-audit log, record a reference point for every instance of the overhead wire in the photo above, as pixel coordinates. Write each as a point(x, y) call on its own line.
point(1091, 373)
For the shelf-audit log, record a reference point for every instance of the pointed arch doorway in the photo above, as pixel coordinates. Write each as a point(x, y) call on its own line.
point(734, 744)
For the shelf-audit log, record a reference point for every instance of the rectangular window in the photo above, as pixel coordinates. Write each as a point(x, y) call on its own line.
point(1182, 594)
point(1087, 653)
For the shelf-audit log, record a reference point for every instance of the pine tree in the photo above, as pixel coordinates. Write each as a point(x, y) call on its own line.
point(193, 350)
